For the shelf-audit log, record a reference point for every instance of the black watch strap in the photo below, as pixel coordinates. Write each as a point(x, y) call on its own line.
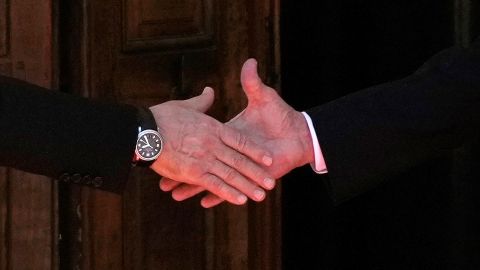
point(145, 119)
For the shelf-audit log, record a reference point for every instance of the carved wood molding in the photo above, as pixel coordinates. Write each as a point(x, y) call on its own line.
point(3, 28)
point(6, 68)
point(167, 25)
point(31, 221)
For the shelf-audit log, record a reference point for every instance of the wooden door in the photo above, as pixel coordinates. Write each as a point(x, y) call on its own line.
point(28, 203)
point(145, 52)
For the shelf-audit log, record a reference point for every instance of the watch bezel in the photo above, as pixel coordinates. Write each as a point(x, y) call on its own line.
point(142, 133)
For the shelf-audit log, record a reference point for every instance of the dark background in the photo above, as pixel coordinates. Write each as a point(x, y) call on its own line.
point(425, 218)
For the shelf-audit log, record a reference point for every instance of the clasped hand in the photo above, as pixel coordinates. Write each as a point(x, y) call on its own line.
point(233, 160)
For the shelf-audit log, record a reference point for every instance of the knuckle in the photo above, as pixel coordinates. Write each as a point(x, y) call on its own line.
point(230, 174)
point(238, 161)
point(224, 189)
point(216, 184)
point(241, 142)
point(221, 189)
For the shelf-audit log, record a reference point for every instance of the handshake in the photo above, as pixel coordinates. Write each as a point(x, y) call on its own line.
point(236, 160)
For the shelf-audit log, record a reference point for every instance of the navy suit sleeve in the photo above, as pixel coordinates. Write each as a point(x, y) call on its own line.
point(65, 137)
point(391, 127)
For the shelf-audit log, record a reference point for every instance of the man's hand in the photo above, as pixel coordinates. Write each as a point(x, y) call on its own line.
point(203, 152)
point(267, 121)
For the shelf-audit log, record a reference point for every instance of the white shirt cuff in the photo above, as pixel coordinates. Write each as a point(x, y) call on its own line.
point(319, 165)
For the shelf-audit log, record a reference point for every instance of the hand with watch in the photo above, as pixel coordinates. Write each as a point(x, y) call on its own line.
point(179, 142)
point(268, 121)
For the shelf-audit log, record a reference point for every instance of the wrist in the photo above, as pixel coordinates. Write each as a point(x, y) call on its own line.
point(305, 138)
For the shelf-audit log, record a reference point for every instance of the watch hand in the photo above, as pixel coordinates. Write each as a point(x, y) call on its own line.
point(146, 140)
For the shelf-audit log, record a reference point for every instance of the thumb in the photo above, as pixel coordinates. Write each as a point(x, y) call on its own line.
point(251, 82)
point(201, 102)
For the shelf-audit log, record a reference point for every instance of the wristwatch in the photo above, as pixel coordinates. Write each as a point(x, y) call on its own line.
point(149, 141)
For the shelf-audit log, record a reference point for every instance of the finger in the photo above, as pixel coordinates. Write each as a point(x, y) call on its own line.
point(167, 184)
point(218, 187)
point(185, 191)
point(211, 200)
point(236, 180)
point(243, 164)
point(251, 82)
point(241, 143)
point(201, 102)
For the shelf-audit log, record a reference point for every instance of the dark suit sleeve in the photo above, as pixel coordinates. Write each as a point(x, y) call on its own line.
point(391, 127)
point(65, 137)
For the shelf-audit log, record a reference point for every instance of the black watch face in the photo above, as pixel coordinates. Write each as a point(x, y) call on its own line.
point(149, 145)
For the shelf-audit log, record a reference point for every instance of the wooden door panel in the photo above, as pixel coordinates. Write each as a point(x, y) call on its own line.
point(28, 203)
point(3, 28)
point(143, 53)
point(31, 222)
point(167, 24)
point(158, 231)
point(148, 82)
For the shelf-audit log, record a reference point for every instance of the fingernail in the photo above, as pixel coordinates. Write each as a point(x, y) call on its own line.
point(267, 160)
point(206, 89)
point(269, 183)
point(259, 194)
point(242, 199)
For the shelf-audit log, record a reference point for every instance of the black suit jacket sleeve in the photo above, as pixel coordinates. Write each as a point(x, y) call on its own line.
point(66, 137)
point(391, 127)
